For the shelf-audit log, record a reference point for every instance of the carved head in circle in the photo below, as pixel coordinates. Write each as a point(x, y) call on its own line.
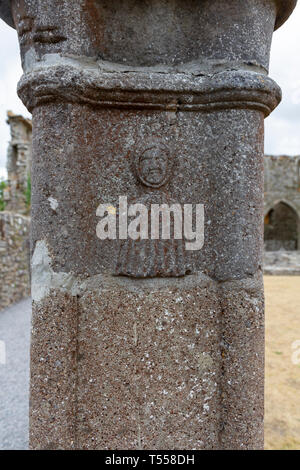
point(153, 166)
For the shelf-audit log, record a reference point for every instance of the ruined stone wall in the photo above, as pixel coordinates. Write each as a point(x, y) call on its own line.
point(14, 258)
point(18, 164)
point(282, 202)
point(15, 222)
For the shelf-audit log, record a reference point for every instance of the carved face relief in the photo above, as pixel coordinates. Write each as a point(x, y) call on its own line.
point(153, 166)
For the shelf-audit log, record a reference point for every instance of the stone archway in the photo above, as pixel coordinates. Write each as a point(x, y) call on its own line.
point(282, 228)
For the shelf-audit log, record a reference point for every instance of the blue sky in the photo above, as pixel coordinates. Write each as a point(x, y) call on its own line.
point(282, 127)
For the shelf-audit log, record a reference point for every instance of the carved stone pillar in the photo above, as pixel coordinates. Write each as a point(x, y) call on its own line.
point(142, 344)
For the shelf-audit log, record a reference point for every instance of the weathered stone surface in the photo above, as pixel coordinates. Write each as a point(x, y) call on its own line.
point(163, 32)
point(18, 164)
point(14, 258)
point(53, 373)
point(200, 159)
point(242, 349)
point(204, 171)
point(147, 363)
point(282, 203)
point(14, 222)
point(282, 263)
point(174, 365)
point(159, 366)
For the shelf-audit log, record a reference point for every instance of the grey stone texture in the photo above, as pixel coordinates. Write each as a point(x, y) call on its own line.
point(204, 171)
point(167, 354)
point(157, 363)
point(282, 203)
point(18, 164)
point(282, 263)
point(14, 258)
point(15, 220)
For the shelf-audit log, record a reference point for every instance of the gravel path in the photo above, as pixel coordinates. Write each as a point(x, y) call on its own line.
point(14, 376)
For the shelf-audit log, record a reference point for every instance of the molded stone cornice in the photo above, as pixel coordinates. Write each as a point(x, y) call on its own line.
point(156, 90)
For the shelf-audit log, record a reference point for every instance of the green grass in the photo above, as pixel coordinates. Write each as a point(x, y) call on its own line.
point(28, 193)
point(3, 185)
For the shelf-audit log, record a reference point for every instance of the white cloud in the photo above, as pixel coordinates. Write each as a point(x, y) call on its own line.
point(282, 127)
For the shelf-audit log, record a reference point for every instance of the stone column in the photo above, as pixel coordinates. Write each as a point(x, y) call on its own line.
point(144, 344)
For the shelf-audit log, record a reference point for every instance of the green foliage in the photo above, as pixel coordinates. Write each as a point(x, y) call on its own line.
point(3, 185)
point(28, 193)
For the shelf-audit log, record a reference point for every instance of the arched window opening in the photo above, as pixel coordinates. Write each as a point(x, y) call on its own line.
point(281, 228)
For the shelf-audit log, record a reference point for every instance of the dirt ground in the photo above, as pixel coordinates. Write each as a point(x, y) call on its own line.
point(282, 396)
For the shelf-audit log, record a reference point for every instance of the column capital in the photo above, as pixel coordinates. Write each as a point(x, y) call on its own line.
point(183, 32)
point(148, 89)
point(284, 10)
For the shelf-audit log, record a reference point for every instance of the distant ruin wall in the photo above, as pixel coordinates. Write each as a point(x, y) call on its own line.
point(17, 193)
point(282, 181)
point(14, 258)
point(282, 203)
